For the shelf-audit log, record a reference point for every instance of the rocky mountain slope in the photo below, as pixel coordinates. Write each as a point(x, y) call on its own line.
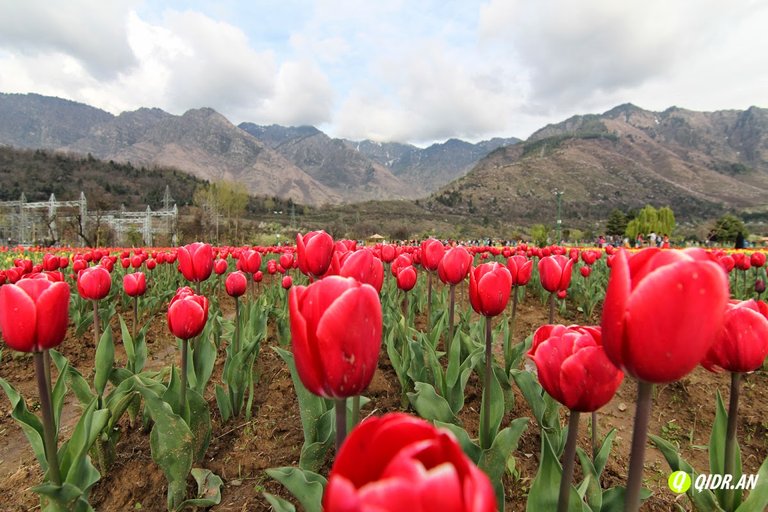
point(700, 163)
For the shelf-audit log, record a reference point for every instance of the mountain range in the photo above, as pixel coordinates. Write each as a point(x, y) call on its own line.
point(700, 163)
point(299, 163)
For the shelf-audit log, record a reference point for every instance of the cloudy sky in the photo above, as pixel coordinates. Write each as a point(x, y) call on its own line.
point(410, 71)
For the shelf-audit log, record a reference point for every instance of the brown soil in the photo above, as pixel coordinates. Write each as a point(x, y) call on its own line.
point(241, 450)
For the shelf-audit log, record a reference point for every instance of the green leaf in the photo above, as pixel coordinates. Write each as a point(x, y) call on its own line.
point(222, 401)
point(471, 449)
point(717, 451)
point(591, 484)
point(488, 432)
point(278, 504)
point(208, 489)
point(199, 423)
point(171, 444)
point(203, 355)
point(105, 359)
point(532, 392)
point(306, 486)
point(493, 461)
point(613, 499)
point(130, 351)
point(29, 423)
point(757, 501)
point(58, 393)
point(74, 378)
point(545, 488)
point(429, 405)
point(704, 500)
point(602, 454)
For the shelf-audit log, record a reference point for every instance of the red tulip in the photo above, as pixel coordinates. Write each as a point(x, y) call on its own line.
point(187, 313)
point(135, 284)
point(336, 327)
point(286, 260)
point(258, 276)
point(34, 314)
point(287, 282)
point(432, 252)
point(520, 268)
point(406, 278)
point(401, 463)
point(220, 266)
point(314, 251)
point(196, 261)
point(662, 312)
point(365, 267)
point(727, 262)
point(589, 257)
point(757, 259)
point(585, 270)
point(236, 283)
point(555, 273)
point(742, 345)
point(50, 262)
point(250, 261)
point(404, 260)
point(573, 368)
point(490, 285)
point(94, 283)
point(454, 265)
point(388, 253)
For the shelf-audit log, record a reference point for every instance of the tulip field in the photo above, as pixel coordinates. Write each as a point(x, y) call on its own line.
point(329, 375)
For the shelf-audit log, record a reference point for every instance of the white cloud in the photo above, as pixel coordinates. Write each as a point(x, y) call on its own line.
point(93, 33)
point(303, 95)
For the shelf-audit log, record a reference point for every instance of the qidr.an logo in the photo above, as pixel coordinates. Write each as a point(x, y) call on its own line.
point(680, 481)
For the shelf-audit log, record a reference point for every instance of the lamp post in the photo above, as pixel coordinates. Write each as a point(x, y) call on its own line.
point(558, 195)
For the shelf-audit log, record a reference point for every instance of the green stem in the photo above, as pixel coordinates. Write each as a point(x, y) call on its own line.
point(429, 300)
point(96, 327)
point(508, 341)
point(236, 341)
point(486, 420)
point(355, 410)
point(594, 435)
point(552, 307)
point(135, 316)
point(341, 422)
point(639, 438)
point(183, 387)
point(568, 462)
point(729, 463)
point(49, 429)
point(449, 340)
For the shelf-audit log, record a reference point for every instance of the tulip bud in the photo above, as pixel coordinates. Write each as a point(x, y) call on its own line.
point(187, 313)
point(34, 314)
point(236, 283)
point(406, 278)
point(490, 285)
point(336, 327)
point(399, 462)
point(135, 284)
point(573, 368)
point(94, 283)
point(196, 261)
point(314, 251)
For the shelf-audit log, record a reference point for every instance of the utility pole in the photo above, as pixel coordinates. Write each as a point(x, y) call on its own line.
point(558, 195)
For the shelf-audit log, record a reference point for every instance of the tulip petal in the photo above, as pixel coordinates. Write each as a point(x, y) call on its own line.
point(304, 351)
point(588, 380)
point(349, 340)
point(53, 315)
point(614, 308)
point(673, 317)
point(18, 318)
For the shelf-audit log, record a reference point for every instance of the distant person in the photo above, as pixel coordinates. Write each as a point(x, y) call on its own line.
point(665, 242)
point(740, 242)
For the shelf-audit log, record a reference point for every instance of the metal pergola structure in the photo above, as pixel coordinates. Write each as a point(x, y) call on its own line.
point(29, 223)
